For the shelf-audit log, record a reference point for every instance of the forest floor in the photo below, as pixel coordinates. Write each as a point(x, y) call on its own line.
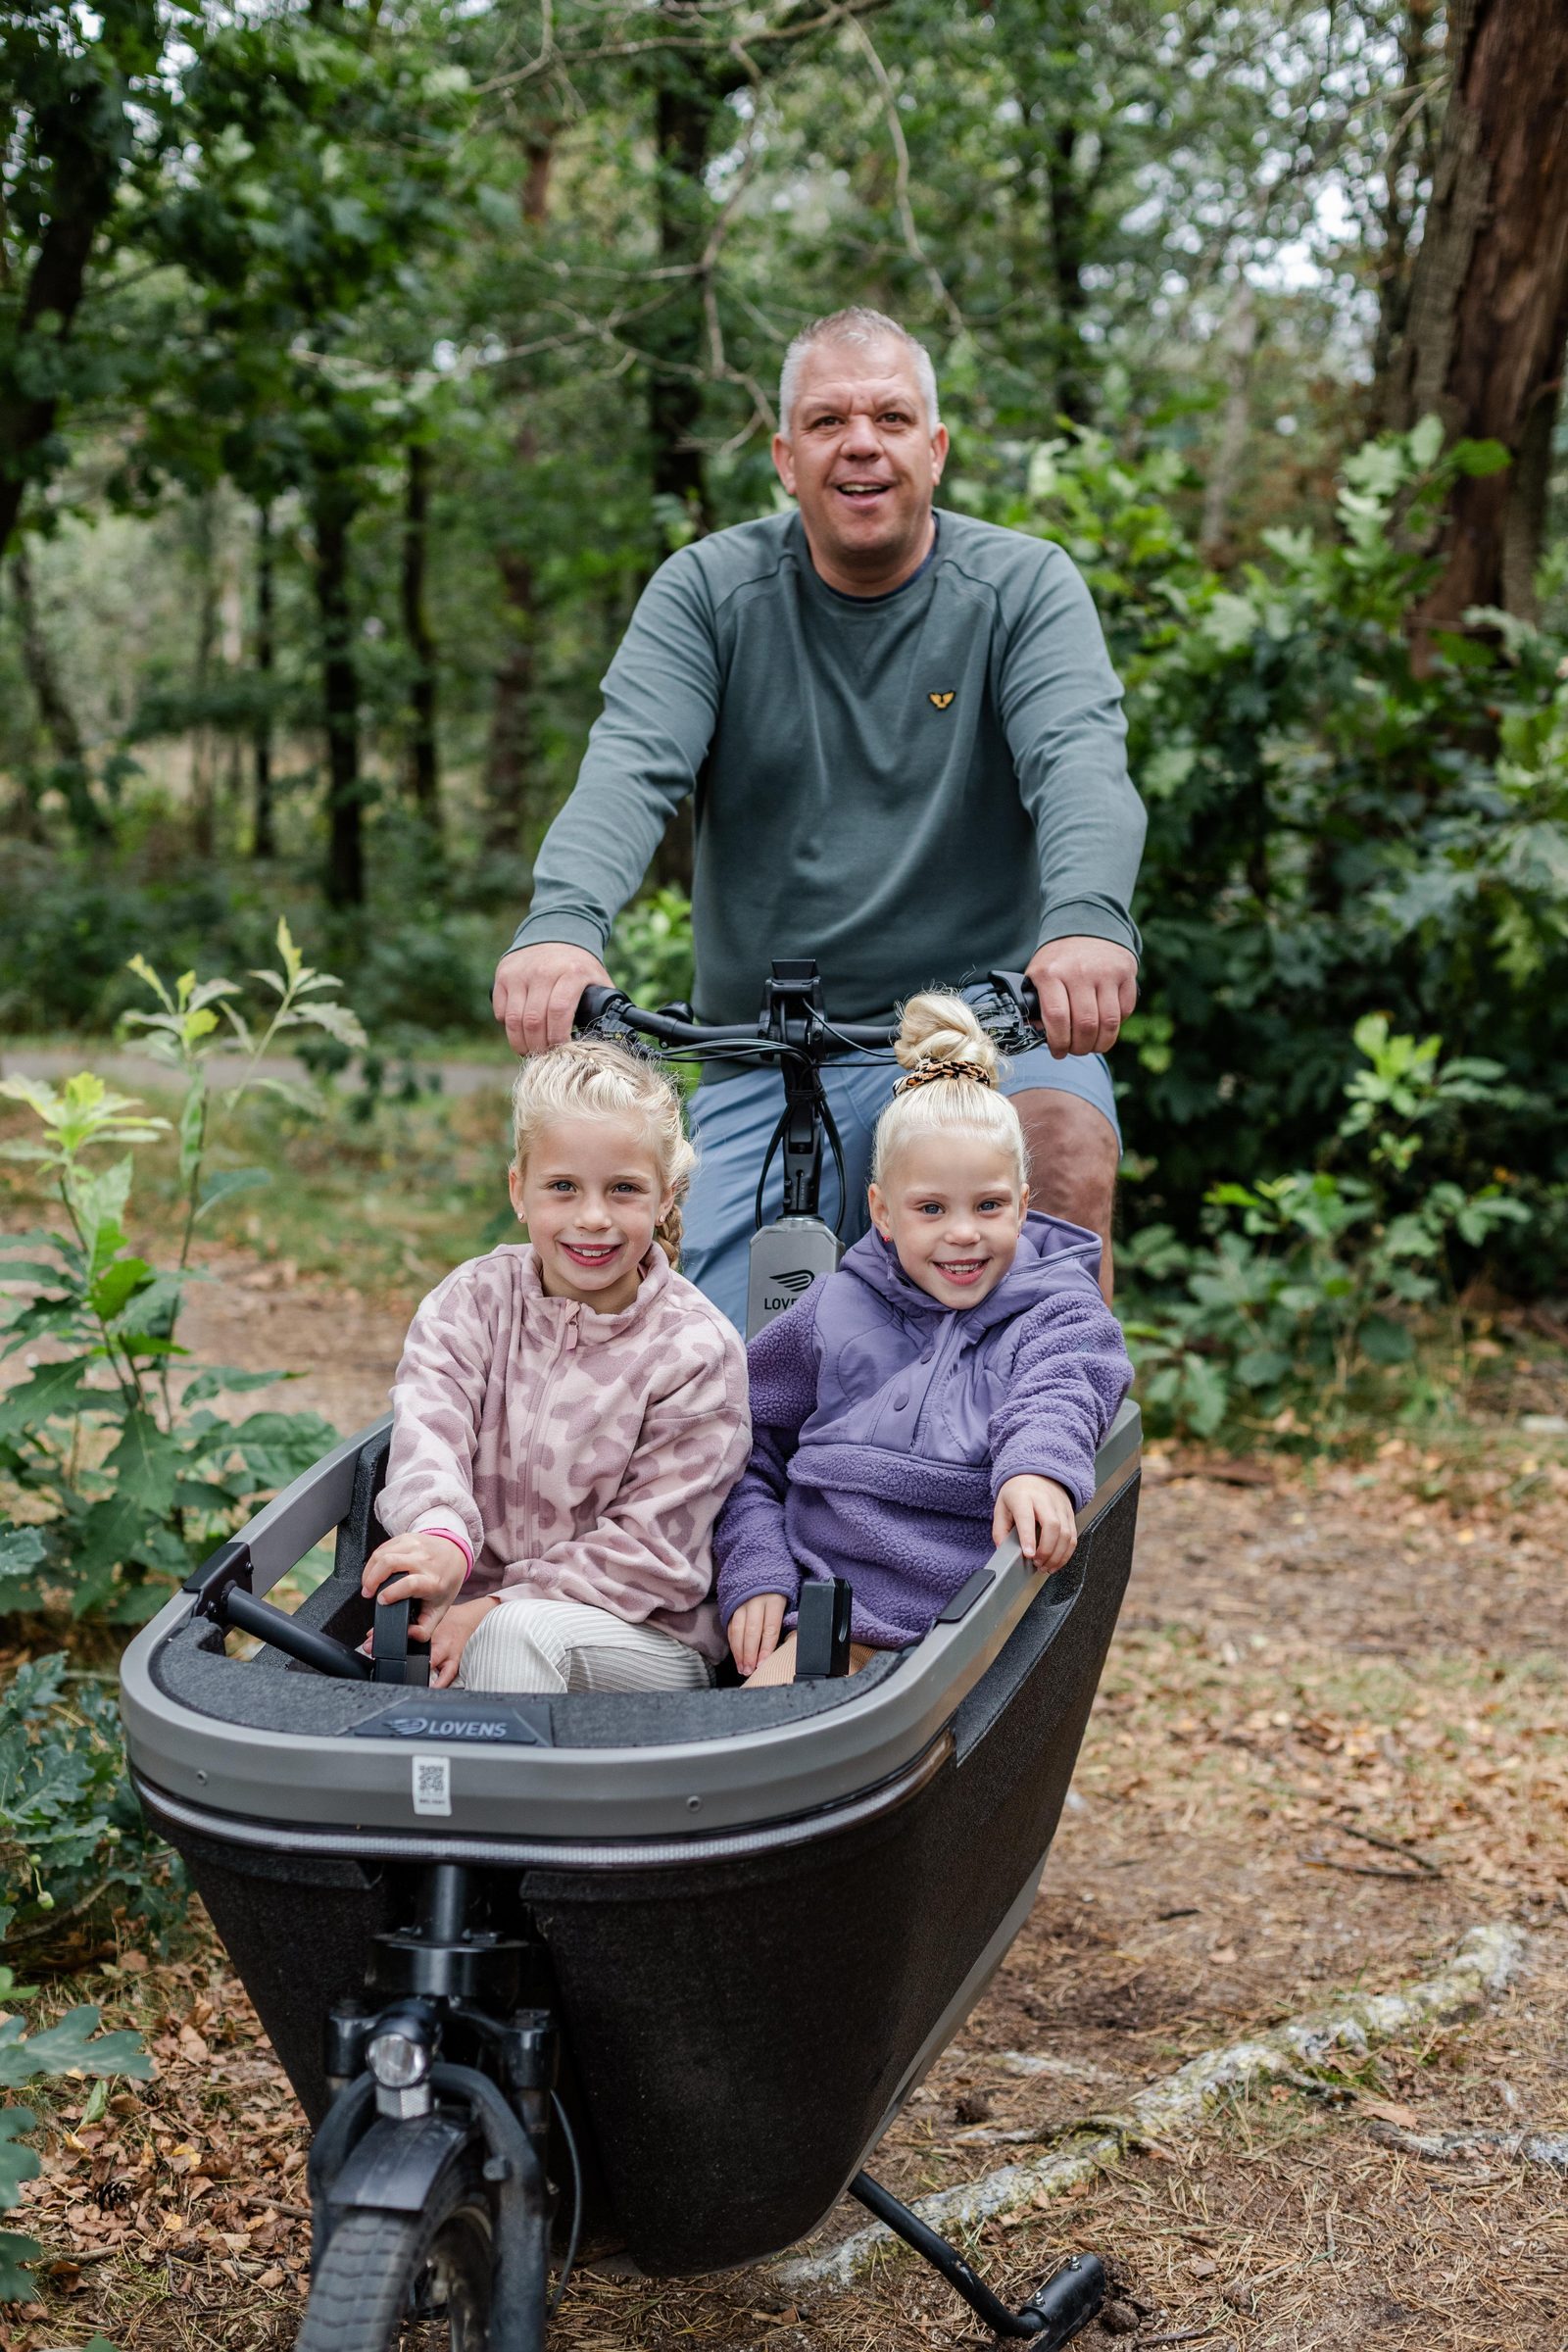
point(1332, 1737)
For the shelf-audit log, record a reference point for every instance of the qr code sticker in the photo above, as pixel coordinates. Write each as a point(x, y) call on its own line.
point(432, 1784)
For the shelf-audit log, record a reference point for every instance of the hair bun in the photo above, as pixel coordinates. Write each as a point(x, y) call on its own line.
point(938, 1033)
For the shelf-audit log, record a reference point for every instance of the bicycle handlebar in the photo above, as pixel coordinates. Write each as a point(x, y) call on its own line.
point(668, 1028)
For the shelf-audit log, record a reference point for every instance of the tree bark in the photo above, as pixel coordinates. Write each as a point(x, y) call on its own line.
point(1239, 338)
point(424, 775)
point(1068, 231)
point(83, 182)
point(510, 758)
point(262, 840)
point(333, 502)
point(684, 105)
point(72, 776)
point(1407, 165)
point(1489, 300)
point(203, 750)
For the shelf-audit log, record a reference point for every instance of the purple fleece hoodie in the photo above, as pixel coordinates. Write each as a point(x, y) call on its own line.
point(883, 1425)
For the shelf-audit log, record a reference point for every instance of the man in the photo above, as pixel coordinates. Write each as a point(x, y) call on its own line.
point(906, 744)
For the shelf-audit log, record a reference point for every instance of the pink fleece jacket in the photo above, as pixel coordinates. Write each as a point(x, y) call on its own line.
point(583, 1456)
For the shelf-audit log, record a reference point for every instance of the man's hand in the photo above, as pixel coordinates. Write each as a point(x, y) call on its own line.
point(428, 1569)
point(755, 1629)
point(1042, 1516)
point(537, 992)
point(1087, 988)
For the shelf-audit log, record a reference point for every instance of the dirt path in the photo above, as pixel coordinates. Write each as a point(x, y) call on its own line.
point(1333, 1737)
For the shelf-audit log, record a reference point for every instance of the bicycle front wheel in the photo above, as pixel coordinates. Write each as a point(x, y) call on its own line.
point(407, 2281)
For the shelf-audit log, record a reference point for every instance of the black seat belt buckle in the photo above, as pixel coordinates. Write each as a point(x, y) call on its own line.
point(822, 1629)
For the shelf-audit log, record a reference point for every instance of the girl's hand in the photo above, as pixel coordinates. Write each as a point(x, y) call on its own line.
point(1041, 1515)
point(423, 1568)
point(451, 1638)
point(755, 1629)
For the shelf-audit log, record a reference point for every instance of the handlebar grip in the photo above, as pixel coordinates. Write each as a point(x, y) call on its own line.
point(1022, 990)
point(593, 1004)
point(242, 1610)
point(391, 1658)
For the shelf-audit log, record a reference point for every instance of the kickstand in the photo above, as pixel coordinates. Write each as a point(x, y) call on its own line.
point(1067, 2303)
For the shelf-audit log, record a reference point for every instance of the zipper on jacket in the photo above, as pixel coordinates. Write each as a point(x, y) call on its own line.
point(568, 1341)
point(950, 1345)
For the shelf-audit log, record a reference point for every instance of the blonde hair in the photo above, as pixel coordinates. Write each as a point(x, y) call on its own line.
point(588, 1076)
point(949, 1086)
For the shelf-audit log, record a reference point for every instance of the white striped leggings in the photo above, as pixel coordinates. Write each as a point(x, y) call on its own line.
point(533, 1644)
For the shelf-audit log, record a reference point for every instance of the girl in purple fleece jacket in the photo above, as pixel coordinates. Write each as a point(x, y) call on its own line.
point(947, 1387)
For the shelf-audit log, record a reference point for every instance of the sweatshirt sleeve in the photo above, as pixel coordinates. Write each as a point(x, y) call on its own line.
point(1060, 707)
point(1069, 1374)
point(662, 695)
point(437, 1397)
point(652, 1547)
point(750, 1546)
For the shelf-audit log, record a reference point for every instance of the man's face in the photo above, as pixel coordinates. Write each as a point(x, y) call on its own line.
point(862, 462)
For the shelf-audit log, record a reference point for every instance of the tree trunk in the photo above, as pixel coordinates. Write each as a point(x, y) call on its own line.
point(1408, 164)
point(1068, 230)
point(203, 748)
point(424, 778)
point(687, 98)
point(1488, 299)
point(262, 840)
point(509, 762)
point(72, 776)
point(333, 502)
point(73, 135)
point(1239, 338)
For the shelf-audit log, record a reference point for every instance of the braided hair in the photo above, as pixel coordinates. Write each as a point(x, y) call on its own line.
point(593, 1075)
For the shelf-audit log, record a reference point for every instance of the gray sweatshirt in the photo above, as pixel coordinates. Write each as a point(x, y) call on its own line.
point(912, 788)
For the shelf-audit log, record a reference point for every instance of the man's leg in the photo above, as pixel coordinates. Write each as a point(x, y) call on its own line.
point(1073, 1155)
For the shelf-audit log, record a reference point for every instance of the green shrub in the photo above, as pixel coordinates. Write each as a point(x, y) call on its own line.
point(125, 1486)
point(74, 1847)
point(649, 953)
point(1316, 1282)
point(1332, 821)
point(72, 2046)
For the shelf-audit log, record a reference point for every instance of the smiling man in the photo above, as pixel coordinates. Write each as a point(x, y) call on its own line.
point(907, 747)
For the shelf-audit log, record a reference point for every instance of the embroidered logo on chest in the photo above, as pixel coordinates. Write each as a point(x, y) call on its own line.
point(942, 700)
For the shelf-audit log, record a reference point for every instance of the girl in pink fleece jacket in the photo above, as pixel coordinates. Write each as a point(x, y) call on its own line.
point(569, 1416)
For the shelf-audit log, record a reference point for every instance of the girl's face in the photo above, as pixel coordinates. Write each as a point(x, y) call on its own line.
point(953, 1209)
point(590, 1196)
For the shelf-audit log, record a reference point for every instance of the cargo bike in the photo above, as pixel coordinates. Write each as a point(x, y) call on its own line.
point(649, 1971)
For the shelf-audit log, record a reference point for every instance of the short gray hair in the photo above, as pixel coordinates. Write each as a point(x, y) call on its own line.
point(860, 327)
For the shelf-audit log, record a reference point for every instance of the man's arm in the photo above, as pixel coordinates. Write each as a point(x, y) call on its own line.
point(660, 706)
point(1060, 707)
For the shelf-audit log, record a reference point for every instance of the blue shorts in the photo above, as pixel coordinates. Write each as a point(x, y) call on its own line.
point(733, 1121)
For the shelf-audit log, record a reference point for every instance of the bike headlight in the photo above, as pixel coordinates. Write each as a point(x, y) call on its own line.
point(397, 2060)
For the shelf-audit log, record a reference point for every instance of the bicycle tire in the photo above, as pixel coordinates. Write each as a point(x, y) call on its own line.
point(363, 2297)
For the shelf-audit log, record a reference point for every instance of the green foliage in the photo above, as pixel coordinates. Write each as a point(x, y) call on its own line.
point(74, 1847)
point(126, 1485)
point(73, 2045)
point(1316, 1284)
point(1332, 820)
point(651, 949)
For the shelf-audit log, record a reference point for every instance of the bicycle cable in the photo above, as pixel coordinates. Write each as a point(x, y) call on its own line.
point(570, 2137)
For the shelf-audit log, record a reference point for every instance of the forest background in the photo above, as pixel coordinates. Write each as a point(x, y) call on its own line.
point(359, 362)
